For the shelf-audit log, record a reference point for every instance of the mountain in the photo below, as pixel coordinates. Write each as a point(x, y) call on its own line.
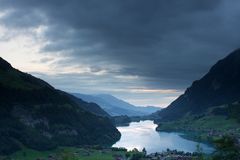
point(115, 106)
point(218, 87)
point(33, 114)
point(89, 106)
point(149, 109)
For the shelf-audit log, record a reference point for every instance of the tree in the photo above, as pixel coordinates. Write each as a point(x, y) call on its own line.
point(199, 152)
point(144, 151)
point(135, 150)
point(24, 154)
point(137, 156)
point(227, 149)
point(127, 155)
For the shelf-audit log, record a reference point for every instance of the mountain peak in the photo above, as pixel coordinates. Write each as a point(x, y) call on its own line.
point(235, 53)
point(218, 87)
point(4, 64)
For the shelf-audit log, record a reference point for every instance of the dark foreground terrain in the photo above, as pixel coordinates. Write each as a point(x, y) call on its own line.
point(35, 115)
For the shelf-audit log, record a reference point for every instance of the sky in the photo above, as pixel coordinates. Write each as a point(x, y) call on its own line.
point(145, 52)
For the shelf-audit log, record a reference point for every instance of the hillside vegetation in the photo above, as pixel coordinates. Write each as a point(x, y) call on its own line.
point(35, 115)
point(210, 108)
point(207, 127)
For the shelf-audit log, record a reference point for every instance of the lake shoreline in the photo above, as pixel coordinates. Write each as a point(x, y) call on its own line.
point(189, 135)
point(148, 129)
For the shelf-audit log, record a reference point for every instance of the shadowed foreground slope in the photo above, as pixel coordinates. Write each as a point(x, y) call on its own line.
point(35, 115)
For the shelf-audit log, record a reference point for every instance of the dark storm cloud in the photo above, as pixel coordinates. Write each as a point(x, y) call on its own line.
point(168, 43)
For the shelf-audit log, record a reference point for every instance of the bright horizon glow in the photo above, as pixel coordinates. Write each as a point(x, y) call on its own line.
point(23, 49)
point(147, 55)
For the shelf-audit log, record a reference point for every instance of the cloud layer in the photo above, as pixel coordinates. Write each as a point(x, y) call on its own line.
point(165, 44)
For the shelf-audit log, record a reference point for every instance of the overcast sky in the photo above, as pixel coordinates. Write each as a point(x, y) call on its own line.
point(144, 51)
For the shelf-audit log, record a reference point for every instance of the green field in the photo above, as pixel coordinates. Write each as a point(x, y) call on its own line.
point(66, 153)
point(203, 128)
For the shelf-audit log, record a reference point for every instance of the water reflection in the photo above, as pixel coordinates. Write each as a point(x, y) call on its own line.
point(143, 134)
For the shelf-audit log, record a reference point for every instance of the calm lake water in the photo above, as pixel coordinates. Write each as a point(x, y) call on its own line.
point(142, 134)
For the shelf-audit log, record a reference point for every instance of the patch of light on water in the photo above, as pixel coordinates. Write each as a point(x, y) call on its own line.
point(143, 135)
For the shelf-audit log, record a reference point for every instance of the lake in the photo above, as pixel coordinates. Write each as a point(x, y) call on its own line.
point(143, 134)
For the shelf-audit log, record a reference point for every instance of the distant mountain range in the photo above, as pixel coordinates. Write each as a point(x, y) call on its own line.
point(115, 106)
point(220, 86)
point(33, 114)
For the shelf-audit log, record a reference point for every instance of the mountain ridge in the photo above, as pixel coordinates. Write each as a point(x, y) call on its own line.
point(36, 115)
point(219, 86)
point(115, 106)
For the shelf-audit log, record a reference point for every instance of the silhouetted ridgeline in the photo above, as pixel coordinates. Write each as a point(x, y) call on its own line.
point(35, 115)
point(117, 107)
point(220, 86)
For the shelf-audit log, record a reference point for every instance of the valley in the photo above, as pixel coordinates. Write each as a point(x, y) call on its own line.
point(32, 108)
point(119, 80)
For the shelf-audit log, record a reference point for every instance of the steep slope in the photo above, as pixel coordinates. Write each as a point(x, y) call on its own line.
point(35, 115)
point(115, 106)
point(89, 106)
point(221, 85)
